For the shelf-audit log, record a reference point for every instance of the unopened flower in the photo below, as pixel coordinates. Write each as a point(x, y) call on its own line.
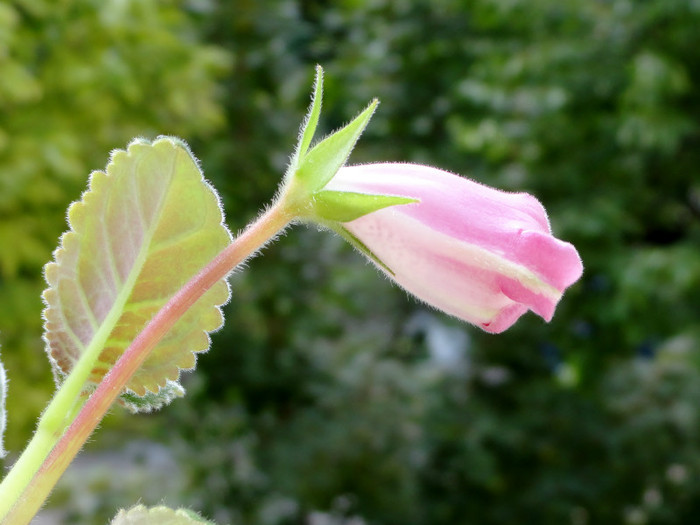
point(480, 254)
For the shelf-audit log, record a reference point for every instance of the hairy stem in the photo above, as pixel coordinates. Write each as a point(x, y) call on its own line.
point(23, 493)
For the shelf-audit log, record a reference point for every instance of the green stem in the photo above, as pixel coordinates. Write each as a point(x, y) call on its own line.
point(53, 422)
point(23, 492)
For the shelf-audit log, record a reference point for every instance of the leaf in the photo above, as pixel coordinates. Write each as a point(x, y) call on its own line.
point(321, 164)
point(346, 206)
point(141, 515)
point(3, 410)
point(152, 401)
point(140, 232)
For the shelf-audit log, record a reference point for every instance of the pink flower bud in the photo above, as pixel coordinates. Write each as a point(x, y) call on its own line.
point(483, 255)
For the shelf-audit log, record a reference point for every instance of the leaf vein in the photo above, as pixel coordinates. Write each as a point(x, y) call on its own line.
point(164, 244)
point(109, 251)
point(90, 314)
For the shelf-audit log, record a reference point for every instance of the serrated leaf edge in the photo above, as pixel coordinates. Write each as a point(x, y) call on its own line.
point(184, 513)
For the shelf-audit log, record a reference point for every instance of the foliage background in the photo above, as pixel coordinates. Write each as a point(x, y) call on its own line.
point(330, 397)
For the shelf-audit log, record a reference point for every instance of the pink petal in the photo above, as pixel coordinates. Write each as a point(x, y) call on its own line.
point(480, 254)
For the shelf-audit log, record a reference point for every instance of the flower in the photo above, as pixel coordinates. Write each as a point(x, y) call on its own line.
point(480, 254)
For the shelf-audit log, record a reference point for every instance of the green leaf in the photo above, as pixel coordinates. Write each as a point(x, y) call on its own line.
point(308, 129)
point(140, 232)
point(3, 410)
point(345, 206)
point(141, 515)
point(321, 164)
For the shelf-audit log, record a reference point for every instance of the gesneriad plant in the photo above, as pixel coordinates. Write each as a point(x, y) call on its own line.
point(138, 281)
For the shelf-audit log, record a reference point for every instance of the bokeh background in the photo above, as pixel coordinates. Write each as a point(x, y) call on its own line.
point(330, 397)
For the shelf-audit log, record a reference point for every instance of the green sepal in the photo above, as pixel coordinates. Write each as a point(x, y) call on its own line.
point(3, 410)
point(324, 160)
point(346, 206)
point(308, 128)
point(359, 246)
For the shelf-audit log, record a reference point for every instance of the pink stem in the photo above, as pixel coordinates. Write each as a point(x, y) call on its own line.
point(113, 383)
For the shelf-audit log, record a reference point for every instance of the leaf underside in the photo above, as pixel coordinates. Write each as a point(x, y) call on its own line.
point(141, 231)
point(140, 515)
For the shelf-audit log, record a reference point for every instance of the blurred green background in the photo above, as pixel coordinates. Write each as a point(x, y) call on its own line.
point(330, 397)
